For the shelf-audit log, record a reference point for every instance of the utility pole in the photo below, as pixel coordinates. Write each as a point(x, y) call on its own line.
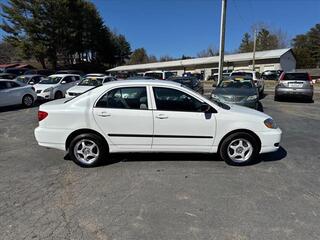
point(254, 49)
point(222, 38)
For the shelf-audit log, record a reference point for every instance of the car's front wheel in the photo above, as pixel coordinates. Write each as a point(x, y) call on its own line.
point(88, 150)
point(239, 149)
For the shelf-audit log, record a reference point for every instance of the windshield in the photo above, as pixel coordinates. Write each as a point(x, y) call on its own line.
point(242, 74)
point(81, 93)
point(189, 82)
point(23, 79)
point(296, 76)
point(91, 82)
point(234, 83)
point(50, 80)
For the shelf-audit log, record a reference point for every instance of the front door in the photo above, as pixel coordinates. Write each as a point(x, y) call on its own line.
point(179, 123)
point(123, 115)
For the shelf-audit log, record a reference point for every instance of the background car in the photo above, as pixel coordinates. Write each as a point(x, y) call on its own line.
point(13, 92)
point(16, 71)
point(153, 116)
point(45, 72)
point(87, 83)
point(191, 82)
point(271, 74)
point(254, 75)
point(7, 76)
point(138, 77)
point(30, 79)
point(161, 75)
point(294, 84)
point(55, 86)
point(78, 72)
point(237, 90)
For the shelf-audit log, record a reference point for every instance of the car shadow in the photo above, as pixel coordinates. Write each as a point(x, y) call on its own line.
point(263, 95)
point(260, 106)
point(295, 100)
point(18, 107)
point(181, 157)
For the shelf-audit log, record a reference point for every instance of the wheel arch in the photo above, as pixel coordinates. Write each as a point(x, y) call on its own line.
point(241, 131)
point(83, 131)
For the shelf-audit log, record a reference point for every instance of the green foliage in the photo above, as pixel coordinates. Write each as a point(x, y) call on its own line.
point(139, 56)
point(62, 31)
point(306, 48)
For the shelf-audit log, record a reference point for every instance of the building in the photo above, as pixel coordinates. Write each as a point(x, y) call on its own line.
point(279, 59)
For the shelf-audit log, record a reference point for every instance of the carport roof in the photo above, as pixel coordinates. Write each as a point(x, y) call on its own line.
point(270, 54)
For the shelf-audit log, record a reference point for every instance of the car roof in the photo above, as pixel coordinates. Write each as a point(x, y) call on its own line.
point(63, 75)
point(30, 75)
point(142, 82)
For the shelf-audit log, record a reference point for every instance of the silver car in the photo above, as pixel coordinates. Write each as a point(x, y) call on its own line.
point(294, 84)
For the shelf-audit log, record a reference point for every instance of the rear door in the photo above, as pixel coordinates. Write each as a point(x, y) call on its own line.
point(15, 92)
point(179, 123)
point(4, 94)
point(124, 115)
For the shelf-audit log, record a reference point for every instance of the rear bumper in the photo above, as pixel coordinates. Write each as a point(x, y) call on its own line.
point(303, 92)
point(52, 138)
point(270, 140)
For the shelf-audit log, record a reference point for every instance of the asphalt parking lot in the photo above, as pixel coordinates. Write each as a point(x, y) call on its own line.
point(162, 196)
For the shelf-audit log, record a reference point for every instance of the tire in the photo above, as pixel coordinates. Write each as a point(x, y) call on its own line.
point(58, 95)
point(276, 98)
point(82, 153)
point(27, 101)
point(236, 144)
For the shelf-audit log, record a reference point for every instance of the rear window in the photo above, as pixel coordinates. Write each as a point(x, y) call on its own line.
point(242, 74)
point(296, 76)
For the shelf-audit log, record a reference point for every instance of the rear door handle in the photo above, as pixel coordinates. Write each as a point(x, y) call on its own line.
point(162, 116)
point(104, 114)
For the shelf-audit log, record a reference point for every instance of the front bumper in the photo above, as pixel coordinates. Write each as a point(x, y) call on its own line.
point(270, 140)
point(299, 92)
point(44, 95)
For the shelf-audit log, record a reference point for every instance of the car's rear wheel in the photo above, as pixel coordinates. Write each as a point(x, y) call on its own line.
point(239, 149)
point(27, 101)
point(58, 95)
point(88, 150)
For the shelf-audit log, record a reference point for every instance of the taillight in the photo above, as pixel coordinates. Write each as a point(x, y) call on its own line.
point(42, 115)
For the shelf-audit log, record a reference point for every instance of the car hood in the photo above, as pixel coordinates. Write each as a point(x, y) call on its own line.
point(235, 91)
point(247, 111)
point(44, 86)
point(79, 89)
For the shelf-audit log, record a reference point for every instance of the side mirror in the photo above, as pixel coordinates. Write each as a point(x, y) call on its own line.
point(206, 108)
point(63, 82)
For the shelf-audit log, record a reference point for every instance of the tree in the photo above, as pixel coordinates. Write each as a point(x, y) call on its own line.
point(246, 44)
point(306, 48)
point(266, 40)
point(209, 52)
point(139, 56)
point(62, 31)
point(8, 53)
point(166, 58)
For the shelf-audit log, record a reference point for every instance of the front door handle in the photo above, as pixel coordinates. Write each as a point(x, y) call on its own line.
point(104, 114)
point(162, 116)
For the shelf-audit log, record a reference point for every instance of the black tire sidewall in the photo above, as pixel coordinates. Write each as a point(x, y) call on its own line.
point(224, 148)
point(27, 95)
point(103, 149)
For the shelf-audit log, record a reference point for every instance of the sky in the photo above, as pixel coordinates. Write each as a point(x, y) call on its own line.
point(177, 27)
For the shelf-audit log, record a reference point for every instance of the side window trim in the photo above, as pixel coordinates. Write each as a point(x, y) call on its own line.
point(119, 87)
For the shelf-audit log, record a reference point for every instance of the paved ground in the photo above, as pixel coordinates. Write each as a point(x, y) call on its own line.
point(162, 196)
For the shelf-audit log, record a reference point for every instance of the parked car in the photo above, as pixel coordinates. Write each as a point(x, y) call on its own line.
point(16, 71)
point(225, 74)
point(55, 86)
point(7, 76)
point(161, 75)
point(45, 72)
point(237, 90)
point(190, 82)
point(30, 79)
point(294, 84)
point(88, 83)
point(271, 75)
point(77, 72)
point(153, 116)
point(13, 92)
point(256, 77)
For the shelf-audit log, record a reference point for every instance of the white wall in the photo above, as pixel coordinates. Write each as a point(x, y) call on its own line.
point(288, 62)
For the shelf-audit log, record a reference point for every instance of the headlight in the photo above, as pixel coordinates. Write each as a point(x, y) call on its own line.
point(270, 123)
point(253, 97)
point(48, 90)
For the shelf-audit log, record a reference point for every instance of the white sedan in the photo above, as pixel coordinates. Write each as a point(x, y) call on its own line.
point(153, 116)
point(13, 92)
point(55, 86)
